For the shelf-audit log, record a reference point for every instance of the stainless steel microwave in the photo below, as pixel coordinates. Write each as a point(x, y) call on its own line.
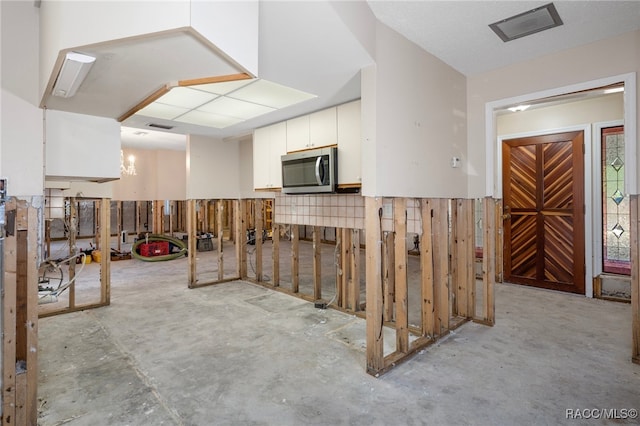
point(311, 171)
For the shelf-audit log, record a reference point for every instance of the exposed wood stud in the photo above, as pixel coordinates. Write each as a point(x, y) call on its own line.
point(118, 223)
point(454, 265)
point(259, 215)
point(354, 288)
point(73, 233)
point(220, 205)
point(275, 254)
point(426, 268)
point(441, 263)
point(105, 257)
point(191, 241)
point(339, 261)
point(238, 221)
point(374, 292)
point(295, 247)
point(317, 259)
point(400, 275)
point(470, 257)
point(345, 265)
point(489, 259)
point(388, 274)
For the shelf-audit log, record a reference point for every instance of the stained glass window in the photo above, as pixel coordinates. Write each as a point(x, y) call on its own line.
point(615, 204)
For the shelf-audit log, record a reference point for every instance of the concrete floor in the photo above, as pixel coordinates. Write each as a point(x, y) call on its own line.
point(240, 354)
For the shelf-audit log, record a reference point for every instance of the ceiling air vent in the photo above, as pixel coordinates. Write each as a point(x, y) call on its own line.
point(160, 126)
point(527, 23)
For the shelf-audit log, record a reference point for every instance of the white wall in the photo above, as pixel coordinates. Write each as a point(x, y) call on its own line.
point(420, 122)
point(245, 168)
point(81, 146)
point(76, 23)
point(232, 26)
point(607, 58)
point(21, 159)
point(212, 168)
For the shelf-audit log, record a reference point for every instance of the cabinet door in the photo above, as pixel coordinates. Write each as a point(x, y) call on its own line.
point(297, 133)
point(323, 128)
point(261, 163)
point(349, 144)
point(277, 148)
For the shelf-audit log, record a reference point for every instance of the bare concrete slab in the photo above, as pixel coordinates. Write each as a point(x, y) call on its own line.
point(240, 354)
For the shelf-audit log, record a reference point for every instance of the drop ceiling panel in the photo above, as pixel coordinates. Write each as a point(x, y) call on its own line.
point(166, 112)
point(206, 119)
point(235, 108)
point(186, 98)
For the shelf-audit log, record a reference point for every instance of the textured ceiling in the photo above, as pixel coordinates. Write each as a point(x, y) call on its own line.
point(458, 32)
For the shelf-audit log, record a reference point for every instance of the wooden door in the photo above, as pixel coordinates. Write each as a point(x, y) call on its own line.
point(543, 190)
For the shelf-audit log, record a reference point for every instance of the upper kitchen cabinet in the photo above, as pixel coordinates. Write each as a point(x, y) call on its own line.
point(269, 143)
point(298, 133)
point(312, 131)
point(349, 151)
point(323, 128)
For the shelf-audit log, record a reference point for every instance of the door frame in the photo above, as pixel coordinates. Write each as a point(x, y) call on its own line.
point(589, 222)
point(493, 168)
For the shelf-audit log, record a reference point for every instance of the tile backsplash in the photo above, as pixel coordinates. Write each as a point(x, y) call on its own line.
point(340, 211)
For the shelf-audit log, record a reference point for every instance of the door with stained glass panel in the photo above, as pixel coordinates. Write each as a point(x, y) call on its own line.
point(616, 243)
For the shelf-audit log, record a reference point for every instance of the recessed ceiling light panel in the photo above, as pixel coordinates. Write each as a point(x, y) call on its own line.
point(163, 111)
point(208, 119)
point(186, 98)
point(270, 94)
point(235, 108)
point(527, 23)
point(224, 87)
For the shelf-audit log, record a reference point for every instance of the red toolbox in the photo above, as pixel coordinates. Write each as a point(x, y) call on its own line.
point(156, 248)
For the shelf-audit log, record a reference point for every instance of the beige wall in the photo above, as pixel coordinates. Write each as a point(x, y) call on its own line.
point(212, 168)
point(608, 58)
point(420, 122)
point(160, 176)
point(605, 108)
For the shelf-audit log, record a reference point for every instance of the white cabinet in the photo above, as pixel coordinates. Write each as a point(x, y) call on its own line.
point(298, 133)
point(348, 134)
point(323, 128)
point(269, 143)
point(312, 131)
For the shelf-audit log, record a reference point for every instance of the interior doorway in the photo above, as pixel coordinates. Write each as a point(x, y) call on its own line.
point(543, 191)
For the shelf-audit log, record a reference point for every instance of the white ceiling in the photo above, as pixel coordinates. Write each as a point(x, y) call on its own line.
point(458, 32)
point(308, 46)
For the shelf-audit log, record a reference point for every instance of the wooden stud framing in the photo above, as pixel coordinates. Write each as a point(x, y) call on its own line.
point(374, 310)
point(259, 214)
point(118, 224)
point(317, 259)
point(489, 259)
point(345, 266)
point(635, 279)
point(241, 229)
point(441, 265)
point(339, 267)
point(456, 283)
point(275, 239)
point(220, 213)
point(400, 275)
point(388, 273)
point(426, 268)
point(295, 248)
point(470, 257)
point(105, 258)
point(191, 241)
point(138, 217)
point(354, 287)
point(73, 232)
point(499, 241)
point(158, 217)
point(20, 317)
